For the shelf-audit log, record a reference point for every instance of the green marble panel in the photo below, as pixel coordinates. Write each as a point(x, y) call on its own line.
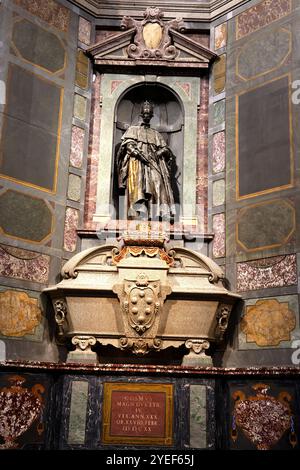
point(265, 225)
point(23, 216)
point(265, 53)
point(198, 416)
point(80, 107)
point(219, 112)
point(78, 409)
point(74, 187)
point(38, 46)
point(218, 192)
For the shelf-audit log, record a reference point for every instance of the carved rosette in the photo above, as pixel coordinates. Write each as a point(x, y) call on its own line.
point(152, 38)
point(60, 309)
point(222, 318)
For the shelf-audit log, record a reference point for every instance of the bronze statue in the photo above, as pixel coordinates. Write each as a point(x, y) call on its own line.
point(143, 164)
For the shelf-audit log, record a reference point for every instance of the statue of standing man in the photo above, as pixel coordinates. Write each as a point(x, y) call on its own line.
point(143, 164)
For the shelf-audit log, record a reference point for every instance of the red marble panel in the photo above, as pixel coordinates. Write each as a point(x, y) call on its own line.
point(218, 152)
point(71, 226)
point(261, 15)
point(23, 264)
point(77, 144)
point(202, 160)
point(219, 238)
point(276, 271)
point(84, 31)
point(50, 11)
point(93, 156)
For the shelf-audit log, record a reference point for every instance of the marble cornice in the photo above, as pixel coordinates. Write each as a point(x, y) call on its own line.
point(147, 369)
point(198, 11)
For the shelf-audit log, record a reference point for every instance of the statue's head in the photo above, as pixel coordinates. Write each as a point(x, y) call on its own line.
point(147, 111)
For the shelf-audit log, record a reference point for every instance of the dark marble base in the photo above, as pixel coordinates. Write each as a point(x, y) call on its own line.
point(205, 406)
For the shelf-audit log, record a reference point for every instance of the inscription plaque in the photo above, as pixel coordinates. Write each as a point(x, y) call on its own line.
point(138, 414)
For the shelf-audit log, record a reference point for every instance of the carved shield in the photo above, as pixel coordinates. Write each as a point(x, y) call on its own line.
point(142, 304)
point(152, 35)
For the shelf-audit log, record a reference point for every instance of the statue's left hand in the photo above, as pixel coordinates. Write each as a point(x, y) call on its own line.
point(162, 153)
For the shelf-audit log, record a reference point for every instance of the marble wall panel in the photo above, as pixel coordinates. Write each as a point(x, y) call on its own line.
point(220, 35)
point(51, 12)
point(261, 15)
point(198, 428)
point(218, 112)
point(264, 139)
point(264, 54)
point(25, 217)
point(38, 46)
point(265, 225)
point(79, 107)
point(84, 31)
point(219, 241)
point(220, 74)
point(202, 156)
point(93, 156)
point(31, 128)
point(78, 411)
point(218, 152)
point(276, 271)
point(269, 323)
point(71, 225)
point(20, 314)
point(23, 410)
point(77, 145)
point(263, 416)
point(74, 187)
point(218, 192)
point(82, 70)
point(24, 264)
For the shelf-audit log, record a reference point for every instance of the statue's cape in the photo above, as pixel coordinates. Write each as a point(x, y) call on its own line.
point(145, 135)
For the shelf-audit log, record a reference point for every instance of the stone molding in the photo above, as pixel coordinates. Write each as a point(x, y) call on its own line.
point(190, 10)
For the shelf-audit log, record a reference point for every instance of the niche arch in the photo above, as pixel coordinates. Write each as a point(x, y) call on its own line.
point(168, 120)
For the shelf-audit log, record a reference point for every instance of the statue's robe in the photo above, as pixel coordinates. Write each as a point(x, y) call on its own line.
point(148, 187)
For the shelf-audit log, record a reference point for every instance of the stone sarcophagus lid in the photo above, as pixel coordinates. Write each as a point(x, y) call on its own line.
point(141, 297)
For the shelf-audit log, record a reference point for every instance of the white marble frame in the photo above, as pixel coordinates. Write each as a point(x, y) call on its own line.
point(113, 87)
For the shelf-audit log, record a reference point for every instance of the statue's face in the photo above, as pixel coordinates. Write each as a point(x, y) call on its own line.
point(147, 114)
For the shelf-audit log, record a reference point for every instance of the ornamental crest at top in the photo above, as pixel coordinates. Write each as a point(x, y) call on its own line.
point(152, 37)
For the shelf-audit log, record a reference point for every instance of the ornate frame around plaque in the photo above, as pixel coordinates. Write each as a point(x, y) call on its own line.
point(138, 413)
